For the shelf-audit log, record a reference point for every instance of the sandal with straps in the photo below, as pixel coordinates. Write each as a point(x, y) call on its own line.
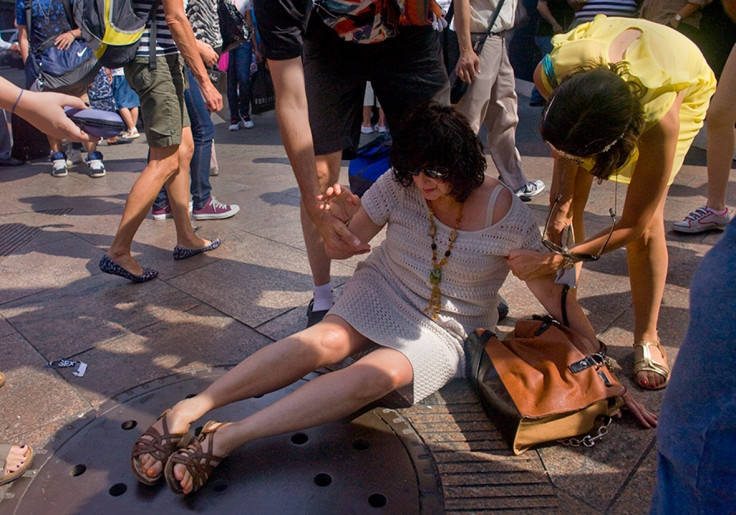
point(647, 364)
point(199, 463)
point(160, 446)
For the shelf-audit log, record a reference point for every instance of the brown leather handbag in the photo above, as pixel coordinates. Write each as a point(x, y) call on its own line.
point(543, 382)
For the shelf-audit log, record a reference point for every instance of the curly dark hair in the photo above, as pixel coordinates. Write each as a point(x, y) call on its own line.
point(596, 112)
point(437, 137)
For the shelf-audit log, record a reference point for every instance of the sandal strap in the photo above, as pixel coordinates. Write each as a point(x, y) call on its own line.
point(159, 445)
point(646, 363)
point(199, 463)
point(4, 452)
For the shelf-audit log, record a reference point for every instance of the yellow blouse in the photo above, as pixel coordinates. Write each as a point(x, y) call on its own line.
point(662, 60)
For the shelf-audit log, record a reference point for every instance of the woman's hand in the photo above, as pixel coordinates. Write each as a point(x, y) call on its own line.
point(528, 265)
point(64, 40)
point(45, 111)
point(645, 417)
point(208, 54)
point(340, 202)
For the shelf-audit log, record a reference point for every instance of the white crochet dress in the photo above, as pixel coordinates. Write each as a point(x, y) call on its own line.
point(386, 298)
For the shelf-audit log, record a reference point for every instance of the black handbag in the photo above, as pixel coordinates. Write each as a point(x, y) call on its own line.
point(263, 97)
point(458, 87)
point(233, 28)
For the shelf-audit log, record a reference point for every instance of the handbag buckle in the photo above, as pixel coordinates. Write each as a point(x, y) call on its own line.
point(593, 360)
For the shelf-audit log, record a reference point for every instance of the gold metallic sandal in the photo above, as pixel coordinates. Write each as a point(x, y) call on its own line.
point(647, 364)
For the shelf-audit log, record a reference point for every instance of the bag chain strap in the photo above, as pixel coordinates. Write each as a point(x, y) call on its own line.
point(590, 439)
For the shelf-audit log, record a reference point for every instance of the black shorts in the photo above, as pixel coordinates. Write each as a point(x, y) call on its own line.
point(282, 24)
point(404, 70)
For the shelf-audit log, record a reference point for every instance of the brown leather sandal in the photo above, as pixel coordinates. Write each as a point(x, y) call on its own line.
point(160, 446)
point(199, 463)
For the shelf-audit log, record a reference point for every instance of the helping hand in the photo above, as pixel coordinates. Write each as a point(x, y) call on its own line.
point(340, 202)
point(645, 417)
point(336, 207)
point(528, 264)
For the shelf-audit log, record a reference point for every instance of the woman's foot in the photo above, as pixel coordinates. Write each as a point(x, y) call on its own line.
point(153, 449)
point(650, 365)
point(183, 253)
point(109, 266)
point(14, 460)
point(189, 469)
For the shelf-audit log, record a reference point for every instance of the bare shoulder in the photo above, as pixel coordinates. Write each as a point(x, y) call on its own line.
point(477, 216)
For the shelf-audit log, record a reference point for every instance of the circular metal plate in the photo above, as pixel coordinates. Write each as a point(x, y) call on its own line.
point(375, 463)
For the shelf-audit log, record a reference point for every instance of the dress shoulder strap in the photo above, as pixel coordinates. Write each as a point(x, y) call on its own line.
point(492, 204)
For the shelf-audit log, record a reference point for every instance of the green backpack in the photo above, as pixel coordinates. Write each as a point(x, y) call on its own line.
point(113, 30)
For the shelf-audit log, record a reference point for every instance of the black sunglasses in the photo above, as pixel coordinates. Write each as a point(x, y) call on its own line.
point(567, 253)
point(432, 174)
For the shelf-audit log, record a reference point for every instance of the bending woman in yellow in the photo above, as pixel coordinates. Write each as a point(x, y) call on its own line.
point(626, 97)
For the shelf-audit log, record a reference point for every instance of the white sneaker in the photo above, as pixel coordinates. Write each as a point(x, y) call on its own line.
point(58, 164)
point(701, 220)
point(234, 124)
point(96, 166)
point(366, 130)
point(381, 128)
point(529, 190)
point(247, 122)
point(132, 133)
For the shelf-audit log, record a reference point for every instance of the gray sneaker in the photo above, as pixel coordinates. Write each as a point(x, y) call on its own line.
point(529, 190)
point(701, 220)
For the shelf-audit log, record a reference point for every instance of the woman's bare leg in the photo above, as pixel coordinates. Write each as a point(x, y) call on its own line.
point(327, 398)
point(162, 164)
point(287, 361)
point(648, 260)
point(720, 118)
point(177, 191)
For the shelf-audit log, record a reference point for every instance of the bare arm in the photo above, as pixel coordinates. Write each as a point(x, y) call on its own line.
point(550, 295)
point(544, 12)
point(645, 193)
point(469, 63)
point(45, 111)
point(183, 36)
point(253, 35)
point(296, 134)
point(207, 53)
point(23, 41)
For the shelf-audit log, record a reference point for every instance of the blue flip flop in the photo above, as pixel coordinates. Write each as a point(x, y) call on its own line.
point(108, 266)
point(183, 253)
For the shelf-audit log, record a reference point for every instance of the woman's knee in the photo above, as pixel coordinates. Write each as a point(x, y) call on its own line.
point(373, 380)
point(331, 343)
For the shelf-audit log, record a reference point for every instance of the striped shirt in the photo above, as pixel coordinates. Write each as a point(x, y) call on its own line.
point(620, 8)
point(164, 41)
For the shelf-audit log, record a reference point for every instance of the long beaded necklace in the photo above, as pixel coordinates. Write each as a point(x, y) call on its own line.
point(435, 275)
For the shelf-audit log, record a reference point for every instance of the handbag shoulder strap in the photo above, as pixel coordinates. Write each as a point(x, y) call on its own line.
point(563, 307)
point(492, 23)
point(68, 11)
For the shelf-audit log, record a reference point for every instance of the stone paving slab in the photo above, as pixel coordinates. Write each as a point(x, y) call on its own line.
point(215, 309)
